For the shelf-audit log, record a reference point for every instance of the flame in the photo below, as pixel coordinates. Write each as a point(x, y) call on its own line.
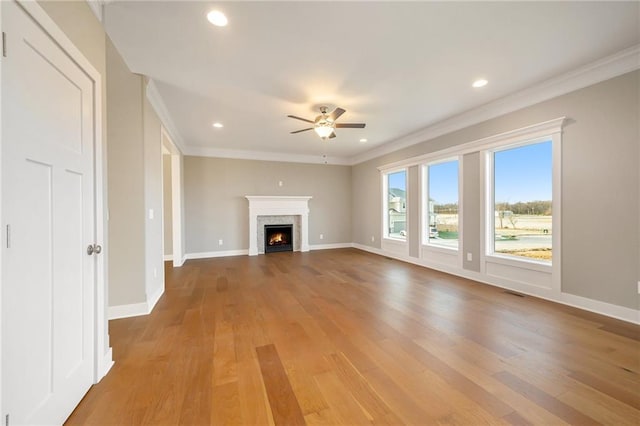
point(277, 238)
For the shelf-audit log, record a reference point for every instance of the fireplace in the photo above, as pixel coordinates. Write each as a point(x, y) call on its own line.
point(277, 210)
point(278, 238)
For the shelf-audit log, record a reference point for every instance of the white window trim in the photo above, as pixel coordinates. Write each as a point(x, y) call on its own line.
point(488, 256)
point(424, 194)
point(522, 275)
point(389, 243)
point(546, 128)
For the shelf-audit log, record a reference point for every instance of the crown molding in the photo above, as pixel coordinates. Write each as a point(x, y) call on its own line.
point(609, 67)
point(97, 7)
point(531, 132)
point(153, 95)
point(606, 68)
point(266, 156)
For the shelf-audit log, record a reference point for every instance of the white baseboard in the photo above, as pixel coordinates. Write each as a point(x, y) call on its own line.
point(330, 246)
point(177, 264)
point(603, 308)
point(136, 309)
point(208, 254)
point(105, 364)
point(126, 311)
point(168, 257)
point(153, 300)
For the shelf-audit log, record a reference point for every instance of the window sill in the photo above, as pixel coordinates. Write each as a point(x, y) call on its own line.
point(519, 263)
point(394, 240)
point(442, 249)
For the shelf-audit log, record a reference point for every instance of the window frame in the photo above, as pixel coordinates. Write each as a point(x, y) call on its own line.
point(490, 254)
point(518, 275)
point(385, 204)
point(424, 229)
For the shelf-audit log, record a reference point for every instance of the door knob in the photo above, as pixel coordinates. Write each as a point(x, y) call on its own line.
point(94, 248)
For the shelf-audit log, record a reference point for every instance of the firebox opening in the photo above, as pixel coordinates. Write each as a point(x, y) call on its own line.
point(278, 238)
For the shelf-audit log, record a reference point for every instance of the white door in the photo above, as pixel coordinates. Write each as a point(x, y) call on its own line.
point(48, 214)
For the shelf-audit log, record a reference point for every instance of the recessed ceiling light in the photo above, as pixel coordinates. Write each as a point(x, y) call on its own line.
point(480, 83)
point(217, 18)
point(218, 125)
point(363, 140)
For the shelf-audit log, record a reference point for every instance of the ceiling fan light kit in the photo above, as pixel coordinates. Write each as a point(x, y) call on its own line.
point(325, 124)
point(324, 130)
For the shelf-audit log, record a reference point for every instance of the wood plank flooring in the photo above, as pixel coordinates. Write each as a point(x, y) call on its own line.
point(346, 337)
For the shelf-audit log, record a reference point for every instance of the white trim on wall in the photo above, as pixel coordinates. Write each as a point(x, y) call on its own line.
point(603, 308)
point(176, 198)
point(211, 254)
point(609, 67)
point(97, 7)
point(127, 311)
point(1, 234)
point(136, 309)
point(606, 68)
point(266, 156)
point(330, 246)
point(153, 95)
point(534, 131)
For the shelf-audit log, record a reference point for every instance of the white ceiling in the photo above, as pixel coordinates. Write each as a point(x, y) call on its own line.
point(398, 66)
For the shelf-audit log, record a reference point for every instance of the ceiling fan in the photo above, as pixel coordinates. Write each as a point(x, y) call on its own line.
point(325, 124)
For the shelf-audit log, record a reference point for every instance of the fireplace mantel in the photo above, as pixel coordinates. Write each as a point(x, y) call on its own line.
point(278, 205)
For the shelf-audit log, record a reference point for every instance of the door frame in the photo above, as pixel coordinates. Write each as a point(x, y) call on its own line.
point(176, 198)
point(102, 355)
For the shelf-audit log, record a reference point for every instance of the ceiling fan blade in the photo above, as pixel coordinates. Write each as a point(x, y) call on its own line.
point(350, 125)
point(332, 135)
point(300, 118)
point(303, 130)
point(336, 113)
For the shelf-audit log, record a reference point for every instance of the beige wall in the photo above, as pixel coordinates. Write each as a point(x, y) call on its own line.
point(154, 256)
point(134, 168)
point(126, 183)
point(471, 224)
point(600, 228)
point(167, 206)
point(601, 188)
point(215, 207)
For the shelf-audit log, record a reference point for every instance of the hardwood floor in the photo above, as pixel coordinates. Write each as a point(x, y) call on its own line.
point(346, 337)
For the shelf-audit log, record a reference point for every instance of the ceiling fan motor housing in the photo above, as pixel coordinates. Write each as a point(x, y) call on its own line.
point(325, 123)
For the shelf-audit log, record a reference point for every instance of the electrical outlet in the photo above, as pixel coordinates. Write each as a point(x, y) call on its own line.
point(469, 257)
point(155, 273)
point(220, 242)
point(280, 183)
point(322, 236)
point(150, 213)
point(638, 287)
point(373, 238)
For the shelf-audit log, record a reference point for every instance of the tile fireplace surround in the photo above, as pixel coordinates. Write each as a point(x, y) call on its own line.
point(270, 209)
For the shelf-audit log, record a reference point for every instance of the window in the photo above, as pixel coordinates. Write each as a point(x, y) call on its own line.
point(522, 201)
point(441, 204)
point(396, 205)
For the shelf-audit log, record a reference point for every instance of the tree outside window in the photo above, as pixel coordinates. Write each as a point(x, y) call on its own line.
point(522, 193)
